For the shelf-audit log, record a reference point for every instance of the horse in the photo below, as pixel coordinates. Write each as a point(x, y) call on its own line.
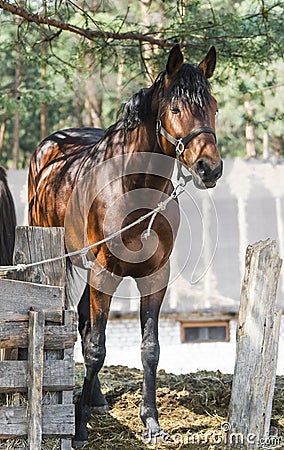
point(173, 119)
point(7, 221)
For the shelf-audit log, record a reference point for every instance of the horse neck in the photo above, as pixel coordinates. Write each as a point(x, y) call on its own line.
point(146, 162)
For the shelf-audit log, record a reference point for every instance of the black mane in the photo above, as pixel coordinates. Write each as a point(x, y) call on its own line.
point(138, 108)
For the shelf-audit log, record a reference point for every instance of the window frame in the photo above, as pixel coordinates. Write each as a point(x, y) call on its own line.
point(208, 324)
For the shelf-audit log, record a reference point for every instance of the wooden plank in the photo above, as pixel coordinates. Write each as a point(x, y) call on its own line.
point(56, 420)
point(14, 335)
point(257, 344)
point(57, 376)
point(66, 444)
point(35, 379)
point(55, 315)
point(23, 295)
point(34, 244)
point(60, 337)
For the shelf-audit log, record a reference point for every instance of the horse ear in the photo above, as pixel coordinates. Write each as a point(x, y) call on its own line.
point(209, 62)
point(175, 61)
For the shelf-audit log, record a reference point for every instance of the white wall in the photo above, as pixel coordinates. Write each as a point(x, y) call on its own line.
point(123, 348)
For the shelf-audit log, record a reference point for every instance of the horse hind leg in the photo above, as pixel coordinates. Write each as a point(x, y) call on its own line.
point(93, 314)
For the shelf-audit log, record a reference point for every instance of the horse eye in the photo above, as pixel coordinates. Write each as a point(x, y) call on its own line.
point(175, 110)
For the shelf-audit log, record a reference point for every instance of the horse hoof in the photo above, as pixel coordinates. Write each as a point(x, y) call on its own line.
point(99, 410)
point(78, 444)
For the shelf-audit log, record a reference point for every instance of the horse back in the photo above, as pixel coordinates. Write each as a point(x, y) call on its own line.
point(54, 170)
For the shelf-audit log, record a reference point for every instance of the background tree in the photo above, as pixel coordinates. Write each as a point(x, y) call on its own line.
point(80, 59)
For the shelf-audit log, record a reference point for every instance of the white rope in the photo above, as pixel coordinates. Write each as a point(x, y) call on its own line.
point(83, 252)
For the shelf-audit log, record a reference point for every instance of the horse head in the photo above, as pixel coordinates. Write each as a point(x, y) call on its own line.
point(186, 112)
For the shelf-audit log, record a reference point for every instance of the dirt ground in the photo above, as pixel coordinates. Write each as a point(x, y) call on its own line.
point(192, 409)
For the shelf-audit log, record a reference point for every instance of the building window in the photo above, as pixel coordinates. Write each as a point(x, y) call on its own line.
point(205, 331)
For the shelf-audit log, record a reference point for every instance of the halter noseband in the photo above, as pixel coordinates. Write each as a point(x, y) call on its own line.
point(182, 142)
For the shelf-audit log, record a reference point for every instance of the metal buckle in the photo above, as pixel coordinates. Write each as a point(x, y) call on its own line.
point(158, 125)
point(86, 262)
point(179, 147)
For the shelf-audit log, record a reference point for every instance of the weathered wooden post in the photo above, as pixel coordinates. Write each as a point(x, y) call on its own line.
point(257, 347)
point(35, 378)
point(34, 244)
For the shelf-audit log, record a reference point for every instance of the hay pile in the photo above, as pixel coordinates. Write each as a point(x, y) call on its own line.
point(192, 409)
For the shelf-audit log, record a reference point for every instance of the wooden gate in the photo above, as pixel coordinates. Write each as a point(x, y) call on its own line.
point(42, 334)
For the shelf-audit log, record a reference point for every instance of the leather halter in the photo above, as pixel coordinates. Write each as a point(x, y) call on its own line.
point(182, 142)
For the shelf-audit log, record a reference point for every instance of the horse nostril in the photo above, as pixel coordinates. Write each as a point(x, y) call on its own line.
point(201, 168)
point(206, 173)
point(219, 171)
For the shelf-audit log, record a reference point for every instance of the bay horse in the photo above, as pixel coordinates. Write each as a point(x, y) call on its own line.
point(174, 119)
point(7, 221)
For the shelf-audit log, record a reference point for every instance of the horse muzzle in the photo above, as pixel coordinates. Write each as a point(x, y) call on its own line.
point(205, 175)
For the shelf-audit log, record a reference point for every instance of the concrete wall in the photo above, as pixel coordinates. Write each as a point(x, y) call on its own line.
point(123, 348)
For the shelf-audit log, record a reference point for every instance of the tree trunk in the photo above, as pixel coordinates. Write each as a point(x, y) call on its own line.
point(16, 145)
point(265, 145)
point(2, 133)
point(119, 81)
point(148, 49)
point(93, 106)
point(250, 137)
point(78, 102)
point(43, 105)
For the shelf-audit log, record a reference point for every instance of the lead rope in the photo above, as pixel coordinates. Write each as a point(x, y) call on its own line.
point(162, 206)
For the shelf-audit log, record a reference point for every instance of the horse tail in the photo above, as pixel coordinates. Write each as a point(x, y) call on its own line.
point(7, 221)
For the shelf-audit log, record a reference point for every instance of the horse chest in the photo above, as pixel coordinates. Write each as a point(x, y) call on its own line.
point(134, 253)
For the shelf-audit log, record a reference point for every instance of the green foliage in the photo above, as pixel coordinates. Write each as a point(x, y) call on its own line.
point(248, 36)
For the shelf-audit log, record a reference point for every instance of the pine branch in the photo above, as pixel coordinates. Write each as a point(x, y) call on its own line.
point(84, 32)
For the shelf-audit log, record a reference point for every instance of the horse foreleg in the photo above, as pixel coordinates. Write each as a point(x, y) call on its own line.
point(98, 402)
point(92, 327)
point(150, 352)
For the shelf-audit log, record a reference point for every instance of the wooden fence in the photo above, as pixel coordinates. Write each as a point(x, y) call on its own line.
point(33, 321)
